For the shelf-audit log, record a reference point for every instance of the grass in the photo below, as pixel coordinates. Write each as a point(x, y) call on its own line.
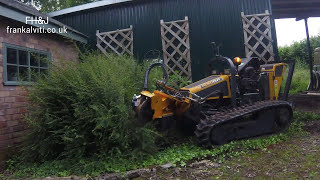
point(296, 158)
point(300, 80)
point(178, 155)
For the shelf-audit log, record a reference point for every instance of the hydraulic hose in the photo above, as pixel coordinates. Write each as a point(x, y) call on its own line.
point(164, 71)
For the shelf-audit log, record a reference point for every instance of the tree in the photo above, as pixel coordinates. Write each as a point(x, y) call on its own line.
point(53, 5)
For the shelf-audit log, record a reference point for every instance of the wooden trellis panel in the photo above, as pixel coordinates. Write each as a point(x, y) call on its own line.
point(176, 47)
point(257, 36)
point(119, 41)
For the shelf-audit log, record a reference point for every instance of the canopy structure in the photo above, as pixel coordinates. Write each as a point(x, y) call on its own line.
point(299, 9)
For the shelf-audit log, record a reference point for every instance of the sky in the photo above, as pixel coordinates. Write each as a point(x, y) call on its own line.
point(290, 30)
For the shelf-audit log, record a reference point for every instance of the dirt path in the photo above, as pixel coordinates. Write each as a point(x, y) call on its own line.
point(295, 159)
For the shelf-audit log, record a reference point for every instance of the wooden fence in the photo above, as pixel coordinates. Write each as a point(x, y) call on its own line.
point(257, 36)
point(119, 41)
point(176, 47)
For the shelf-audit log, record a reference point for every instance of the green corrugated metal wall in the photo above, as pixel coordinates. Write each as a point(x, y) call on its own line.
point(210, 20)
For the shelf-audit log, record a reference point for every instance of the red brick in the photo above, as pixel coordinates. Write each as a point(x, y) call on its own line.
point(5, 131)
point(22, 110)
point(17, 128)
point(33, 40)
point(14, 93)
point(8, 88)
point(16, 116)
point(19, 88)
point(5, 143)
point(5, 137)
point(23, 93)
point(12, 123)
point(30, 45)
point(4, 93)
point(20, 99)
point(5, 105)
point(11, 111)
point(9, 99)
point(5, 118)
point(3, 124)
point(18, 104)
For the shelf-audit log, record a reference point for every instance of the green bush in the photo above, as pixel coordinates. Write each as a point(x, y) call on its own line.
point(85, 108)
point(299, 50)
point(300, 79)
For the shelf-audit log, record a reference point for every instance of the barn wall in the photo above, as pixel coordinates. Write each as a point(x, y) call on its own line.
point(210, 20)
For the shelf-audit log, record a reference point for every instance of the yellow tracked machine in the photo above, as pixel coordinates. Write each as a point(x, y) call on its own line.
point(244, 100)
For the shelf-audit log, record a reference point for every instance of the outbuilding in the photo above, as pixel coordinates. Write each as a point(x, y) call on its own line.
point(26, 37)
point(219, 21)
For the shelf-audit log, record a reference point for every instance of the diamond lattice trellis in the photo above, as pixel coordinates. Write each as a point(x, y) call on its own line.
point(119, 41)
point(257, 36)
point(176, 47)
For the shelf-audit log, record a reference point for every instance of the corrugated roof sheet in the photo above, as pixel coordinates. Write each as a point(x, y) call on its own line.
point(85, 7)
point(281, 8)
point(24, 8)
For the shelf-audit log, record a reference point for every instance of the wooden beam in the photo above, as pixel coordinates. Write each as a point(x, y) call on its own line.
point(288, 2)
point(295, 8)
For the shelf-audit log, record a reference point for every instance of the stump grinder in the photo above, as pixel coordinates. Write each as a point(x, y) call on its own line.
point(244, 100)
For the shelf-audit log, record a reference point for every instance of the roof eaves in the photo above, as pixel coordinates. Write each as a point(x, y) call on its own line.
point(16, 11)
point(85, 7)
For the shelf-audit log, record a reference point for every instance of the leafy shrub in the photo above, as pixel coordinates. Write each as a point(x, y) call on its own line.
point(299, 50)
point(300, 79)
point(85, 108)
point(177, 81)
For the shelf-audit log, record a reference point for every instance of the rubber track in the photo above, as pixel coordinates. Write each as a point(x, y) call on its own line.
point(203, 130)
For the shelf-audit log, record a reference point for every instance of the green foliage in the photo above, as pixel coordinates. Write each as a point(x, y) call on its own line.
point(300, 79)
point(85, 108)
point(178, 155)
point(53, 5)
point(174, 81)
point(299, 50)
point(306, 116)
point(177, 81)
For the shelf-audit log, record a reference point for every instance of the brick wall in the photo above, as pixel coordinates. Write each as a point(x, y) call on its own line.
point(13, 98)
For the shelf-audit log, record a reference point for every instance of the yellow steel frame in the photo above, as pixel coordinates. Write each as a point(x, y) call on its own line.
point(275, 82)
point(216, 81)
